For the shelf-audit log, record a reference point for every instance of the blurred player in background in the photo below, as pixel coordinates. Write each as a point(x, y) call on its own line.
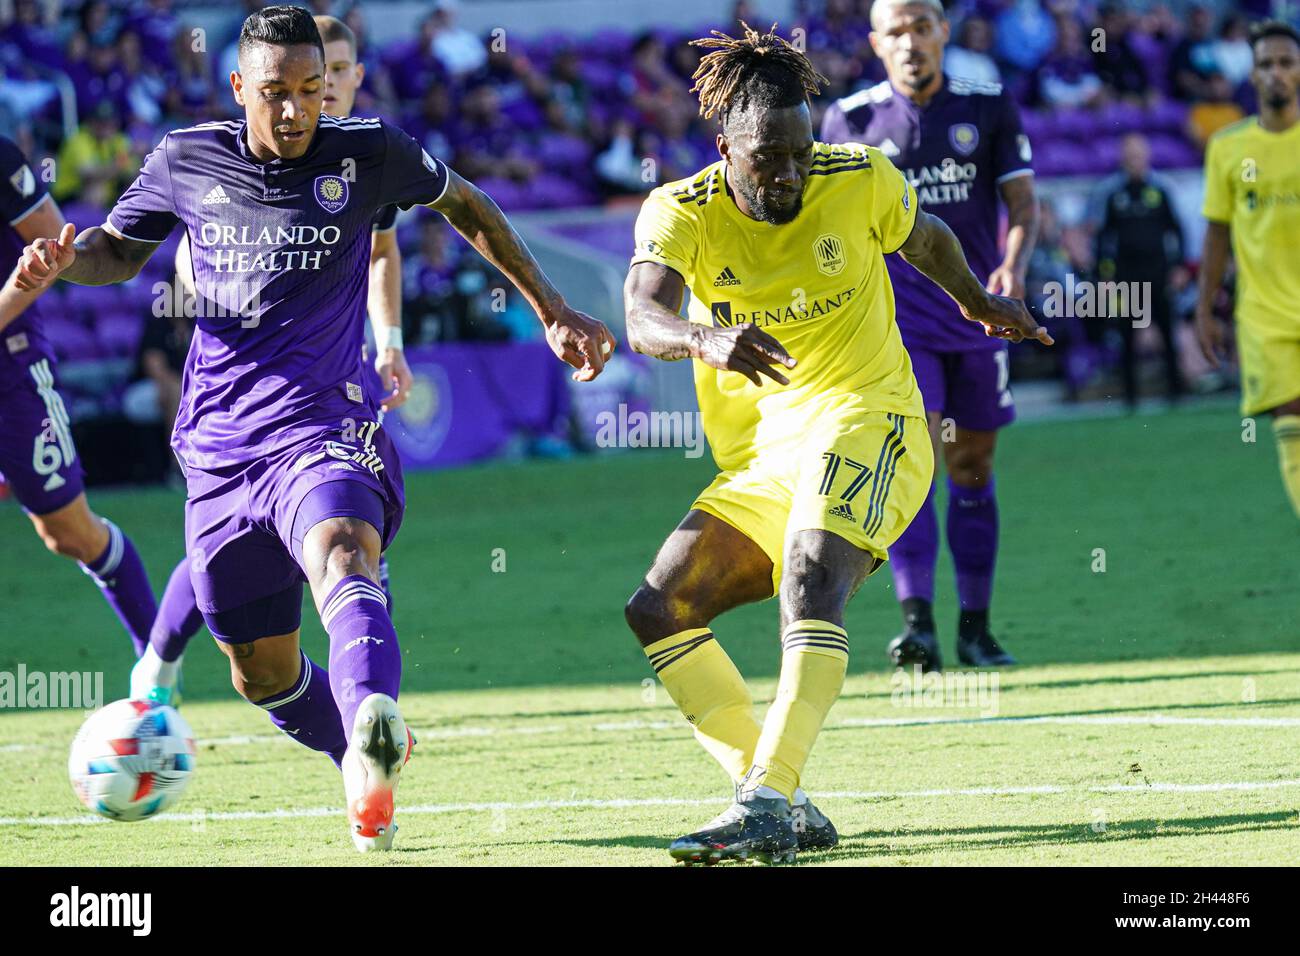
point(158, 670)
point(1141, 241)
point(289, 475)
point(37, 456)
point(960, 143)
point(1252, 200)
point(810, 407)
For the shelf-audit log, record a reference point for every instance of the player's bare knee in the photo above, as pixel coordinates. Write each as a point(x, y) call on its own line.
point(969, 467)
point(257, 679)
point(338, 548)
point(70, 542)
point(818, 581)
point(653, 615)
point(811, 591)
point(646, 613)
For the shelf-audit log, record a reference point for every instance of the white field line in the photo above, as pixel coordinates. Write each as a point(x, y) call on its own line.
point(519, 807)
point(528, 730)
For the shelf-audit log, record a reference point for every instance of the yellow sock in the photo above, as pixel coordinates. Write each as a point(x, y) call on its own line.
point(711, 694)
point(1286, 429)
point(814, 658)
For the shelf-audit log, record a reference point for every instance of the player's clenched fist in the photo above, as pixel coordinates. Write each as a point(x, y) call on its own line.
point(44, 259)
point(1006, 318)
point(745, 348)
point(581, 341)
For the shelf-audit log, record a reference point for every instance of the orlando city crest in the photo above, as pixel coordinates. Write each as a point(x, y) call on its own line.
point(964, 138)
point(331, 192)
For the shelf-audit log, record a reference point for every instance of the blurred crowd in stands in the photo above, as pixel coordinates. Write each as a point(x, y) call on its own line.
point(559, 120)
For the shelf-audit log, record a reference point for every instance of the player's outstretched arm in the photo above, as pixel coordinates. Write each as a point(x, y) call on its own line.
point(96, 257)
point(575, 337)
point(1214, 263)
point(935, 252)
point(43, 222)
point(652, 299)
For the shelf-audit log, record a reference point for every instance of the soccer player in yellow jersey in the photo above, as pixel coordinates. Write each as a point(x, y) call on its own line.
point(810, 407)
point(1252, 198)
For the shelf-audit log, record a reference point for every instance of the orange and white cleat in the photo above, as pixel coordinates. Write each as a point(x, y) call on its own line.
point(378, 749)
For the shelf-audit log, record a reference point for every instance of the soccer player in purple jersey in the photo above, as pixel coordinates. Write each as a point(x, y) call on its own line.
point(157, 672)
point(961, 145)
point(290, 476)
point(37, 456)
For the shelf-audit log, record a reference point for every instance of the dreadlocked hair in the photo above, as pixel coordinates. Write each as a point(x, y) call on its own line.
point(758, 69)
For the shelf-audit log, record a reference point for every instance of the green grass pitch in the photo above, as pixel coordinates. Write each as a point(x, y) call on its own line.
point(1163, 692)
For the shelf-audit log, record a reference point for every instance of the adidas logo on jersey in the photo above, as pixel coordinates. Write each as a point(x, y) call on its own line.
point(215, 196)
point(843, 511)
point(725, 277)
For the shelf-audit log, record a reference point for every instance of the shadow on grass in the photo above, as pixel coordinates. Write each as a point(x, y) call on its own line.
point(869, 844)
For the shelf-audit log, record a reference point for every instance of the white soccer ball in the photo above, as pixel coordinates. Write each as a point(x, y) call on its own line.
point(132, 759)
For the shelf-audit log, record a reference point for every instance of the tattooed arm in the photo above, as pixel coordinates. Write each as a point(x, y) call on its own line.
point(96, 257)
point(935, 252)
point(652, 299)
point(576, 338)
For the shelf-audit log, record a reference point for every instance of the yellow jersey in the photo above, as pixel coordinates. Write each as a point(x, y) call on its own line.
point(817, 284)
point(1252, 183)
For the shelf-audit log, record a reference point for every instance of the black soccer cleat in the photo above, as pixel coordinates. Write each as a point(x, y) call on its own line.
point(916, 648)
point(758, 830)
point(981, 650)
point(813, 828)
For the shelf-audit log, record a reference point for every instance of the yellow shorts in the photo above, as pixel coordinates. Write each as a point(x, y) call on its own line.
point(1270, 368)
point(860, 474)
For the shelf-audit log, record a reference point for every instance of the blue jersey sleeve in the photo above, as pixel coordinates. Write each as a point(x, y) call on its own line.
point(20, 189)
point(1012, 155)
point(146, 212)
point(411, 176)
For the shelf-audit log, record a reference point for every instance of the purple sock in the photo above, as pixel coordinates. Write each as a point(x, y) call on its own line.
point(178, 618)
point(121, 577)
point(307, 712)
point(914, 554)
point(364, 656)
point(973, 540)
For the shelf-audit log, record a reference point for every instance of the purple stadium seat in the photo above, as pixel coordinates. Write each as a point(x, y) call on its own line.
point(1168, 116)
point(84, 301)
point(1126, 118)
point(523, 114)
point(552, 191)
point(506, 193)
point(562, 152)
point(83, 215)
point(602, 77)
point(1038, 125)
point(119, 332)
point(72, 341)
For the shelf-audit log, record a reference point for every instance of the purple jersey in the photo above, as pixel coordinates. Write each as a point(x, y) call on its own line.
point(281, 254)
point(21, 191)
point(956, 150)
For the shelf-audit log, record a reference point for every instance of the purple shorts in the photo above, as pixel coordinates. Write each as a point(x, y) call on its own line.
point(970, 387)
point(245, 524)
point(37, 456)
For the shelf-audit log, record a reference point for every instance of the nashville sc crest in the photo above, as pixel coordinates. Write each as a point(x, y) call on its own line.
point(331, 193)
